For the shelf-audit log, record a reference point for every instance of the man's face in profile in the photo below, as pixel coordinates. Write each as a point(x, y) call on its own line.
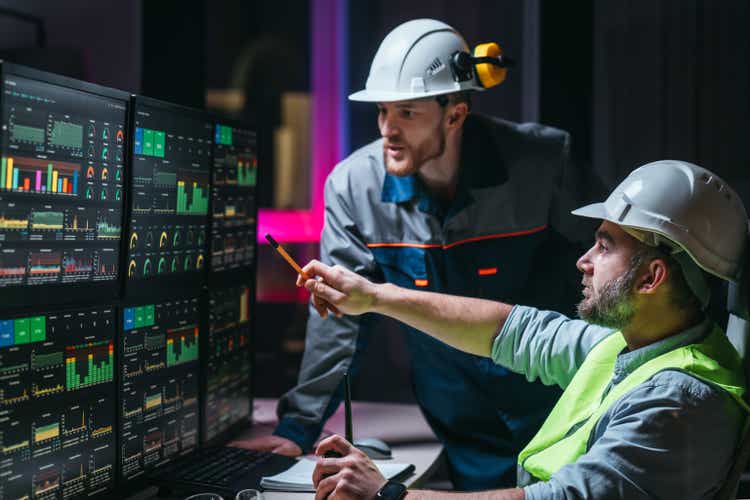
point(609, 278)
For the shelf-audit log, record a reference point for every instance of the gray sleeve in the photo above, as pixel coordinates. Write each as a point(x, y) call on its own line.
point(545, 345)
point(330, 343)
point(672, 437)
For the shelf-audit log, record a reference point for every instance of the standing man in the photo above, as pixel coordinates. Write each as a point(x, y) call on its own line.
point(450, 202)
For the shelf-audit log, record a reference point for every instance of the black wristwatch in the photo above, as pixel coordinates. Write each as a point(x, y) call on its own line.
point(391, 491)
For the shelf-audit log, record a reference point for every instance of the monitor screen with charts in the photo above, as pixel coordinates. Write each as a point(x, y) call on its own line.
point(57, 404)
point(61, 187)
point(159, 384)
point(233, 206)
point(228, 400)
point(171, 162)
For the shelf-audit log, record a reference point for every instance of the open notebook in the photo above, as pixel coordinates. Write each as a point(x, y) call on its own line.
point(298, 478)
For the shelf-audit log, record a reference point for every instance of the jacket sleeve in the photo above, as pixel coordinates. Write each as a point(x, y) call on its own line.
point(569, 194)
point(567, 238)
point(330, 344)
point(671, 437)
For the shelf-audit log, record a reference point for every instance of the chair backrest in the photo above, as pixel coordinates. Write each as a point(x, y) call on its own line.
point(738, 331)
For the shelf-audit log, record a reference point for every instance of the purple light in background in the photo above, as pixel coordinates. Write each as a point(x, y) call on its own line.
point(328, 62)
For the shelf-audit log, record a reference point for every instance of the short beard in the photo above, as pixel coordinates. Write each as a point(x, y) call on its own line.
point(614, 306)
point(417, 153)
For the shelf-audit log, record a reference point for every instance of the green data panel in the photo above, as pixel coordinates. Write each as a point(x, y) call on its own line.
point(148, 142)
point(159, 143)
point(38, 328)
point(22, 331)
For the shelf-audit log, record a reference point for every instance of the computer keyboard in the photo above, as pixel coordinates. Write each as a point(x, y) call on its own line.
point(221, 466)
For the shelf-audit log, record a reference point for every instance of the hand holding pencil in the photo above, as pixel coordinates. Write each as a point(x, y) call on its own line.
point(321, 305)
point(339, 288)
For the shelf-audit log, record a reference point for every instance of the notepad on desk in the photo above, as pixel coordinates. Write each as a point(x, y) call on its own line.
point(298, 478)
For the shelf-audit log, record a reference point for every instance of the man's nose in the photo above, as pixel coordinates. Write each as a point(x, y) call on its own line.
point(584, 263)
point(387, 128)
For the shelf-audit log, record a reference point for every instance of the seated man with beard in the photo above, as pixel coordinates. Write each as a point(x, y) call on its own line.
point(653, 403)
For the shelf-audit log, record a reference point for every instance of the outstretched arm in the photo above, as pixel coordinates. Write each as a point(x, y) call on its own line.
point(465, 323)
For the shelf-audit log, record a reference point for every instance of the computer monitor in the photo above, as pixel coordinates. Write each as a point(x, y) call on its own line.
point(62, 159)
point(171, 164)
point(227, 401)
point(233, 206)
point(57, 403)
point(159, 384)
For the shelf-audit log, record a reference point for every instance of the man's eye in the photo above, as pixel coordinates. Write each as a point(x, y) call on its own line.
point(406, 113)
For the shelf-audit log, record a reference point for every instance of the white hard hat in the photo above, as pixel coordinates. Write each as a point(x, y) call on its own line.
point(414, 61)
point(683, 206)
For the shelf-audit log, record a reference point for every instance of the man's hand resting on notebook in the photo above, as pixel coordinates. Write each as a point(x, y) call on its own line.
point(353, 476)
point(274, 444)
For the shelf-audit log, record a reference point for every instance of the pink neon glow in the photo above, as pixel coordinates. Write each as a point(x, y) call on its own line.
point(298, 226)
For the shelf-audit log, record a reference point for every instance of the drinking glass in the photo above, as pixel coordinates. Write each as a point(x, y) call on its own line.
point(249, 495)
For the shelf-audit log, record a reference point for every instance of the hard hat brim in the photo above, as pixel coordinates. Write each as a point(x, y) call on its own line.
point(593, 211)
point(383, 96)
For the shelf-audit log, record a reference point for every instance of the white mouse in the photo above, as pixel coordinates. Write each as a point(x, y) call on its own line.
point(373, 448)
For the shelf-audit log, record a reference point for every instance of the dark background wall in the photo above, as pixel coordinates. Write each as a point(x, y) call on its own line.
point(671, 80)
point(96, 40)
point(633, 80)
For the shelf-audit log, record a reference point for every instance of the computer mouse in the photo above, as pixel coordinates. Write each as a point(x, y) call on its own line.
point(373, 448)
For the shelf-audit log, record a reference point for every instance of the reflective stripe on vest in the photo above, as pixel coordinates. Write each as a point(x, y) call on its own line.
point(714, 360)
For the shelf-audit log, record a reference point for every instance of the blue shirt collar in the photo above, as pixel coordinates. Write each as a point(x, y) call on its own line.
point(399, 189)
point(628, 361)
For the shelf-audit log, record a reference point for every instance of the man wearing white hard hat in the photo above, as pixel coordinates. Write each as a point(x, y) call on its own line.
point(447, 201)
point(653, 404)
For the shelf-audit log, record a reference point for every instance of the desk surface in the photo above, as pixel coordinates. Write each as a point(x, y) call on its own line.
point(393, 423)
point(401, 426)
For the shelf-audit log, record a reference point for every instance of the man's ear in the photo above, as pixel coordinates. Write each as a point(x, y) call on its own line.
point(457, 114)
point(655, 274)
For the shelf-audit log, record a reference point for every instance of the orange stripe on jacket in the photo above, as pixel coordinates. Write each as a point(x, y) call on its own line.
point(460, 242)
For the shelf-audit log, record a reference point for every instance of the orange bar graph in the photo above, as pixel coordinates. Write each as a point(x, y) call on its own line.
point(9, 175)
point(26, 184)
point(65, 185)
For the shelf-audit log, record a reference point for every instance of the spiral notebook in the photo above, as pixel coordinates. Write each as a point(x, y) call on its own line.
point(298, 478)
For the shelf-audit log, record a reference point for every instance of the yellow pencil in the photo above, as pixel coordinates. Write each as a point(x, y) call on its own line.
point(286, 256)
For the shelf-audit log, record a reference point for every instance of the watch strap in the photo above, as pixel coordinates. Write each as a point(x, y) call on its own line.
point(391, 491)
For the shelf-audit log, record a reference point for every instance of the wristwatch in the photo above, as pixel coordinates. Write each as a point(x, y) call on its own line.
point(391, 491)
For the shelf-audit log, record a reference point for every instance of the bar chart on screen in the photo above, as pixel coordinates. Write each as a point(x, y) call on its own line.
point(34, 175)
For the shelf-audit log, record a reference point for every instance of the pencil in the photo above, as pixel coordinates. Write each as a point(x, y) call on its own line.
point(286, 256)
